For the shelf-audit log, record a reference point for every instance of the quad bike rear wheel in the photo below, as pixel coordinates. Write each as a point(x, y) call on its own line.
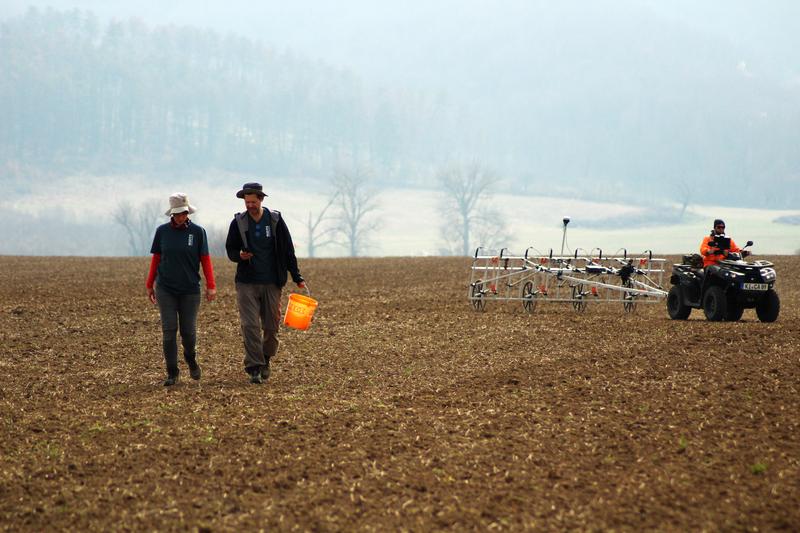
point(675, 307)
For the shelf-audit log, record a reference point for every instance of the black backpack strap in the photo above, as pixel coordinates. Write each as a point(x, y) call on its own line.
point(275, 216)
point(242, 222)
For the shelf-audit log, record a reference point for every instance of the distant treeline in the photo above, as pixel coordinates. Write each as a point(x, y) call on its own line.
point(659, 114)
point(121, 97)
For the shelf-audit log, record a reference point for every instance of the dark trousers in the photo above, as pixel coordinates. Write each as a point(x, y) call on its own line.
point(259, 311)
point(178, 311)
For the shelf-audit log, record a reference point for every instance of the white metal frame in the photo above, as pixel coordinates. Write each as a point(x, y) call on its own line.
point(577, 279)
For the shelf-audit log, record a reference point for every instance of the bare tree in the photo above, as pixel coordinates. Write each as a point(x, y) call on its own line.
point(465, 189)
point(356, 201)
point(317, 236)
point(683, 190)
point(139, 223)
point(491, 230)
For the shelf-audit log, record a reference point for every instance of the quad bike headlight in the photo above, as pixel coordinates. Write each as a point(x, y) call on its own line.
point(768, 274)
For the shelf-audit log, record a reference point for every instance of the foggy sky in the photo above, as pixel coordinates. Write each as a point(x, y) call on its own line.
point(432, 43)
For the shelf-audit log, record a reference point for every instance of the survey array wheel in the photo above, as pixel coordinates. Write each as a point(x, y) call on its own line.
point(628, 298)
point(578, 298)
point(477, 296)
point(529, 297)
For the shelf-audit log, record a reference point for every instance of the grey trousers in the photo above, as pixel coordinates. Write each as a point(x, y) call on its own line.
point(259, 311)
point(178, 311)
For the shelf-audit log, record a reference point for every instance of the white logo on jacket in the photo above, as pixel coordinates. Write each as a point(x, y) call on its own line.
point(191, 239)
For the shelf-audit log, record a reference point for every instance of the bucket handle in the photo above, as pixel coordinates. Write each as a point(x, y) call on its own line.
point(305, 286)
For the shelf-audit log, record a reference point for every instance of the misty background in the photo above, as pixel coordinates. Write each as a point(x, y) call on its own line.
point(641, 120)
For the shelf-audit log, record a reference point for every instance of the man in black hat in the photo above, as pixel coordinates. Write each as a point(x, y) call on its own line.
point(259, 242)
point(716, 246)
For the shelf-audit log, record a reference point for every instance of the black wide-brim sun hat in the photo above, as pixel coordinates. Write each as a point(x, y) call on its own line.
point(251, 188)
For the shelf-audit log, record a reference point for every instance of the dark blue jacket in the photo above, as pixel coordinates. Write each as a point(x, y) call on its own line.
point(285, 259)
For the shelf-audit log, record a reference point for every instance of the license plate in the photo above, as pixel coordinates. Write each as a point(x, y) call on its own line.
point(755, 286)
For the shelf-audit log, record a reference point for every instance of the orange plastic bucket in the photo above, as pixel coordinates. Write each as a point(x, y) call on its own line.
point(299, 311)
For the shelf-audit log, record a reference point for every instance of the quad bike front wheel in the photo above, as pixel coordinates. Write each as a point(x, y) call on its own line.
point(734, 312)
point(769, 307)
point(715, 304)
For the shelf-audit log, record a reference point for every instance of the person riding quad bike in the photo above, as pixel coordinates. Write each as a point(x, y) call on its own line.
point(721, 283)
point(717, 246)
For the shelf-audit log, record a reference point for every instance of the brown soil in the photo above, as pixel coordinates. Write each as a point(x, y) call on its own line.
point(401, 408)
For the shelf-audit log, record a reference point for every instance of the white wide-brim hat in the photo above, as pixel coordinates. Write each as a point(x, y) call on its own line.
point(179, 203)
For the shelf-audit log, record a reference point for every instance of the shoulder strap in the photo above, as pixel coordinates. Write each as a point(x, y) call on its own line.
point(242, 223)
point(275, 216)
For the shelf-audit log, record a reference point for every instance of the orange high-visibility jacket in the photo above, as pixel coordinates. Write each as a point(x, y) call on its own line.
point(711, 258)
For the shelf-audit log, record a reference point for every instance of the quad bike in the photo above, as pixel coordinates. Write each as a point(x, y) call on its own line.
point(723, 290)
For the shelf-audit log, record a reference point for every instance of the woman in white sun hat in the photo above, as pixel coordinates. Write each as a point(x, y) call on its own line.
point(180, 248)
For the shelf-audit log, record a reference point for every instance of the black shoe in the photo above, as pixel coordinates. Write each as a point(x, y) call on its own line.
point(194, 370)
point(171, 380)
point(255, 377)
point(265, 371)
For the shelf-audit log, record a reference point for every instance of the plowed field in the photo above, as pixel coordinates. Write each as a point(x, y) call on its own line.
point(400, 409)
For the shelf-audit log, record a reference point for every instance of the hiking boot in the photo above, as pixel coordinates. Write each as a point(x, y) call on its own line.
point(255, 377)
point(194, 370)
point(265, 371)
point(171, 380)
